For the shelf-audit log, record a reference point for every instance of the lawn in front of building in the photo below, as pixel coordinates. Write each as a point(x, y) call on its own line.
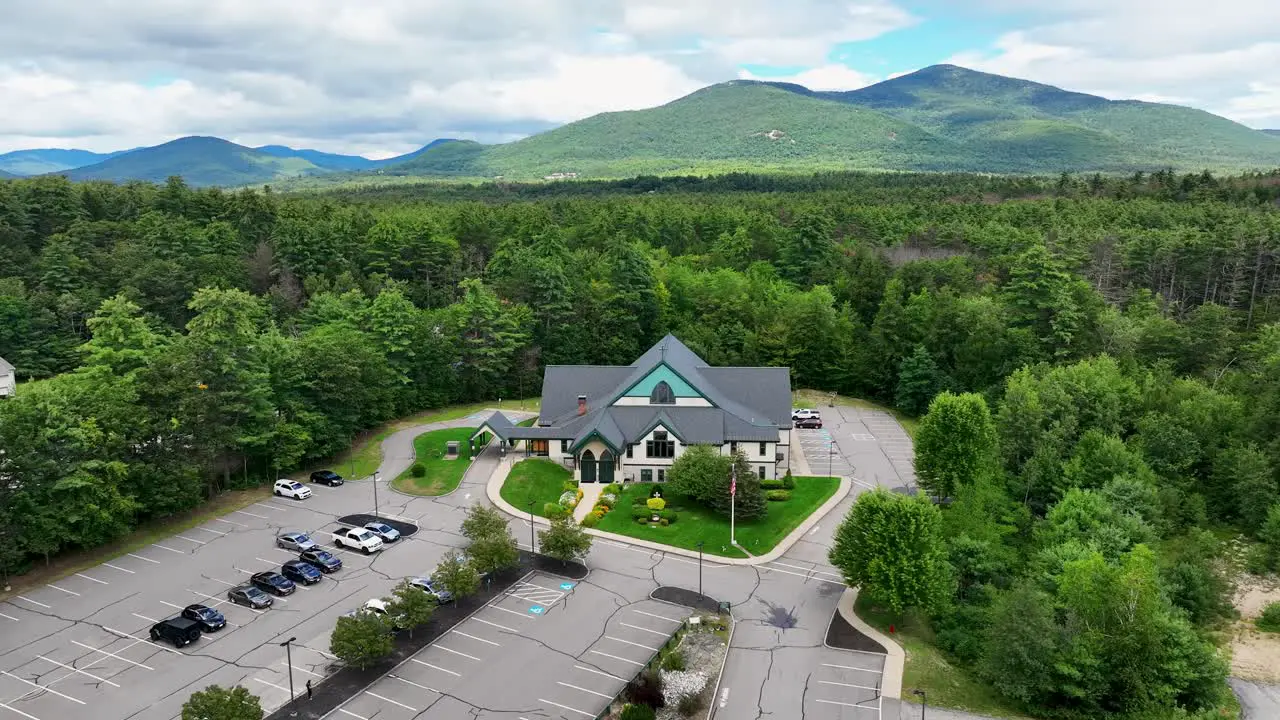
point(541, 481)
point(440, 476)
point(696, 523)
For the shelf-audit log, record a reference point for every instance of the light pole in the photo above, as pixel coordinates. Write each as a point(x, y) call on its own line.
point(288, 654)
point(831, 451)
point(700, 568)
point(376, 477)
point(531, 545)
point(923, 700)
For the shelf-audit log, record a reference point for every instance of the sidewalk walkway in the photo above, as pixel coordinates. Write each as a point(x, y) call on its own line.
point(590, 494)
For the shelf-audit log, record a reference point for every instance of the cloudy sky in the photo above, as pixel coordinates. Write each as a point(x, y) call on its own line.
point(380, 77)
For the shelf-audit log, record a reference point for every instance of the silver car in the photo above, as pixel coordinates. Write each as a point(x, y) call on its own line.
point(432, 588)
point(383, 530)
point(296, 541)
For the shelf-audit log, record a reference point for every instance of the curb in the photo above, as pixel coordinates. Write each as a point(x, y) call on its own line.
point(494, 486)
point(728, 647)
point(895, 657)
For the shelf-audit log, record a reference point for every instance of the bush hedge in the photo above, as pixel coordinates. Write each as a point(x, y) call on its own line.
point(590, 520)
point(552, 511)
point(788, 482)
point(418, 469)
point(777, 495)
point(1269, 621)
point(771, 485)
point(656, 503)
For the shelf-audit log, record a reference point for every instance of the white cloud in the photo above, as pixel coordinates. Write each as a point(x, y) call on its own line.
point(823, 77)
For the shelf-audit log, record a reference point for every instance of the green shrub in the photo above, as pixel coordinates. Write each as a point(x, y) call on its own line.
point(655, 503)
point(673, 660)
point(639, 501)
point(591, 520)
point(1259, 560)
point(777, 495)
point(570, 486)
point(690, 705)
point(636, 712)
point(554, 510)
point(788, 482)
point(664, 522)
point(641, 513)
point(642, 519)
point(668, 515)
point(1269, 621)
point(771, 485)
point(417, 469)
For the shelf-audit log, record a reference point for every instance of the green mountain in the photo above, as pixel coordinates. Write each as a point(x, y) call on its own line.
point(323, 160)
point(200, 161)
point(1272, 132)
point(49, 160)
point(939, 118)
point(6, 175)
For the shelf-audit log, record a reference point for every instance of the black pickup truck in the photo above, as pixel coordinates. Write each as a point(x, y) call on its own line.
point(179, 631)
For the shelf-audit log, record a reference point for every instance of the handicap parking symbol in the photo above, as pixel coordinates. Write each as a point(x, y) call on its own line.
point(537, 610)
point(566, 586)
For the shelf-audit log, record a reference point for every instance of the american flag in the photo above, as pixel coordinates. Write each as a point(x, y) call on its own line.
point(733, 482)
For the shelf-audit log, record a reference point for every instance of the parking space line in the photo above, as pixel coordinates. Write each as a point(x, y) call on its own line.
point(215, 532)
point(33, 602)
point(302, 670)
point(264, 682)
point(850, 667)
point(615, 657)
point(55, 587)
point(566, 707)
point(860, 707)
point(153, 562)
point(144, 617)
point(15, 710)
point(94, 579)
point(242, 512)
point(848, 685)
point(116, 567)
point(165, 547)
point(495, 607)
point(473, 637)
point(111, 654)
point(436, 667)
point(645, 629)
point(42, 687)
point(660, 617)
point(78, 670)
point(628, 642)
point(393, 702)
point(455, 652)
point(224, 582)
point(10, 617)
point(229, 522)
point(803, 575)
point(269, 507)
point(593, 692)
point(141, 640)
point(198, 542)
point(494, 624)
point(348, 712)
point(812, 570)
point(269, 562)
point(410, 682)
point(599, 672)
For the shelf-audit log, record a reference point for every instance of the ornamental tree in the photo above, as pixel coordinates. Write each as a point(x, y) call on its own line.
point(219, 703)
point(956, 443)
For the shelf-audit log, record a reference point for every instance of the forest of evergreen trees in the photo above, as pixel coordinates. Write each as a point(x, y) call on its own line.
point(173, 343)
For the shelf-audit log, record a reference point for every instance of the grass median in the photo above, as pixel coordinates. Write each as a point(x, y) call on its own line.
point(439, 474)
point(541, 481)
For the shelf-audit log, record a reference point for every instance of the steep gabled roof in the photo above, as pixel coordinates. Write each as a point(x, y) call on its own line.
point(5, 367)
point(562, 384)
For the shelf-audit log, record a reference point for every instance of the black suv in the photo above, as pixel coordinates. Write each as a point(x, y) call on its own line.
point(322, 559)
point(273, 582)
point(326, 477)
point(210, 620)
point(811, 422)
point(301, 572)
point(179, 631)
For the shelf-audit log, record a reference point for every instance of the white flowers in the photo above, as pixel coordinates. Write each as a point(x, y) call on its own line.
point(677, 684)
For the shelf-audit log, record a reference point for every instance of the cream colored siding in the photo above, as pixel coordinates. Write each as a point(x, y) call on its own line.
point(680, 402)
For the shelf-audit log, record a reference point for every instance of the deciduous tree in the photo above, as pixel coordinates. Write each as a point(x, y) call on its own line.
point(890, 546)
point(956, 443)
point(219, 703)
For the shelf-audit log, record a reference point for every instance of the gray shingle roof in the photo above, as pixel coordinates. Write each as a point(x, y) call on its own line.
point(500, 424)
point(5, 367)
point(750, 404)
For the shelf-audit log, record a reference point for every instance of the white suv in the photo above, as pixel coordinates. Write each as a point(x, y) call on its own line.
point(293, 489)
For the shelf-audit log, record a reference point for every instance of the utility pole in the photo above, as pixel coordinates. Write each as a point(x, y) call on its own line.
point(733, 493)
point(700, 568)
point(376, 477)
point(531, 544)
point(288, 655)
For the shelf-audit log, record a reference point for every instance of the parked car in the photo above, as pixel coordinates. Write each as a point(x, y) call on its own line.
point(326, 477)
point(293, 489)
point(299, 541)
point(380, 607)
point(432, 588)
point(210, 620)
point(179, 631)
point(359, 539)
point(273, 582)
point(799, 413)
point(324, 561)
point(250, 596)
point(383, 530)
point(301, 572)
point(809, 422)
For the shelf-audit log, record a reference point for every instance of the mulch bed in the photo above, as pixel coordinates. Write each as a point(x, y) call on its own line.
point(687, 598)
point(359, 519)
point(840, 634)
point(350, 681)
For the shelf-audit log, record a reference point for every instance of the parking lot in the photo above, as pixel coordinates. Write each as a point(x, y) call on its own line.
point(547, 648)
point(79, 647)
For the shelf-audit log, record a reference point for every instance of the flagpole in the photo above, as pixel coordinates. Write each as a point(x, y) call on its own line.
point(733, 494)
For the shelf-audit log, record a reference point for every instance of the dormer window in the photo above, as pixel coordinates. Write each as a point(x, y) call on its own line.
point(662, 395)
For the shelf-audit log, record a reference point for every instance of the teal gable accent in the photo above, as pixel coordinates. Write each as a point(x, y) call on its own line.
point(662, 373)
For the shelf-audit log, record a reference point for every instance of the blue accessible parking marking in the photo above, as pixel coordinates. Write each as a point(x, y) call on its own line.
point(566, 586)
point(537, 610)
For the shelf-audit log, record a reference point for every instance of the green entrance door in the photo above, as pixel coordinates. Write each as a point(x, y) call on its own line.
point(588, 466)
point(605, 467)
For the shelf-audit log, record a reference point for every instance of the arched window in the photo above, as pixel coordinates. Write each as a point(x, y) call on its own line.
point(662, 395)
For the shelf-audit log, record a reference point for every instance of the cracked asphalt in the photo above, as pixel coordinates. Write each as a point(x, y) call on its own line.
point(78, 648)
